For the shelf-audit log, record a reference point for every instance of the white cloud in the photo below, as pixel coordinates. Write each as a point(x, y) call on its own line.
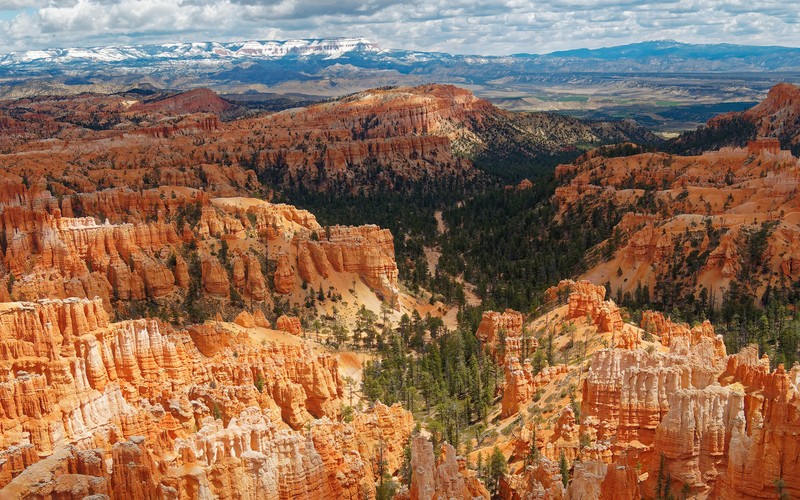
point(463, 26)
point(21, 4)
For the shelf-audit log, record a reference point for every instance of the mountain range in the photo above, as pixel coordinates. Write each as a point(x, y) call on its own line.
point(650, 56)
point(665, 85)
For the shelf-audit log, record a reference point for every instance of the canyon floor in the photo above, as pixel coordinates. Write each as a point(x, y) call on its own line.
point(175, 324)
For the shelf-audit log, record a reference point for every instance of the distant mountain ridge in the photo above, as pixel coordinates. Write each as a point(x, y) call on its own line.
point(646, 80)
point(252, 49)
point(672, 48)
point(658, 55)
point(245, 49)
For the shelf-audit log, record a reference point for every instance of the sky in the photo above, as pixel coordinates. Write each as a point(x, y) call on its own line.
point(455, 26)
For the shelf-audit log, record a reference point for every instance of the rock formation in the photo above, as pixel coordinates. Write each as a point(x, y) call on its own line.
point(446, 479)
point(506, 327)
point(587, 300)
point(521, 383)
point(541, 480)
point(367, 251)
point(672, 334)
point(289, 324)
point(714, 418)
point(202, 411)
point(245, 319)
point(214, 277)
point(764, 128)
point(686, 219)
point(174, 243)
point(193, 101)
point(594, 479)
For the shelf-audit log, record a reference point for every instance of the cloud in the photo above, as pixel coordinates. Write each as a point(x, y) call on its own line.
point(21, 4)
point(461, 26)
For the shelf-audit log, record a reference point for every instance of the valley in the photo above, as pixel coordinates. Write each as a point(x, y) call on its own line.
point(412, 290)
point(665, 85)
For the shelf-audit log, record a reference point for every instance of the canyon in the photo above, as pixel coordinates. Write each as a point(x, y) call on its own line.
point(164, 249)
point(173, 324)
point(176, 412)
point(670, 411)
point(692, 224)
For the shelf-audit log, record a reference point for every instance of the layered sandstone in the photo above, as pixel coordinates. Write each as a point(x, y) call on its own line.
point(687, 219)
point(245, 319)
point(502, 334)
point(205, 411)
point(167, 244)
point(540, 480)
point(58, 256)
point(670, 333)
point(447, 478)
point(192, 101)
point(706, 413)
point(367, 251)
point(214, 277)
point(762, 437)
point(587, 300)
point(290, 324)
point(284, 275)
point(521, 383)
point(598, 480)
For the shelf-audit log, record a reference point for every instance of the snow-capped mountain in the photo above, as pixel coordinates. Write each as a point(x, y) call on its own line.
point(325, 48)
point(337, 66)
point(296, 55)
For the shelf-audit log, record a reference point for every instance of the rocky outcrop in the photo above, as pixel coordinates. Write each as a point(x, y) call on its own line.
point(763, 128)
point(192, 101)
point(521, 383)
point(367, 251)
point(587, 300)
point(245, 319)
point(214, 277)
point(620, 481)
point(670, 333)
point(564, 439)
point(762, 437)
point(307, 253)
point(174, 242)
point(351, 452)
point(254, 284)
point(445, 479)
point(698, 408)
point(506, 327)
point(625, 394)
point(700, 210)
point(250, 457)
point(211, 410)
point(540, 480)
point(67, 473)
point(260, 320)
point(290, 324)
point(156, 223)
point(598, 480)
point(56, 256)
point(284, 275)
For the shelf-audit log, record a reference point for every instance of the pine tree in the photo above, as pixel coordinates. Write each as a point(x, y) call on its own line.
point(662, 465)
point(564, 467)
point(498, 466)
point(533, 452)
point(667, 494)
point(405, 469)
